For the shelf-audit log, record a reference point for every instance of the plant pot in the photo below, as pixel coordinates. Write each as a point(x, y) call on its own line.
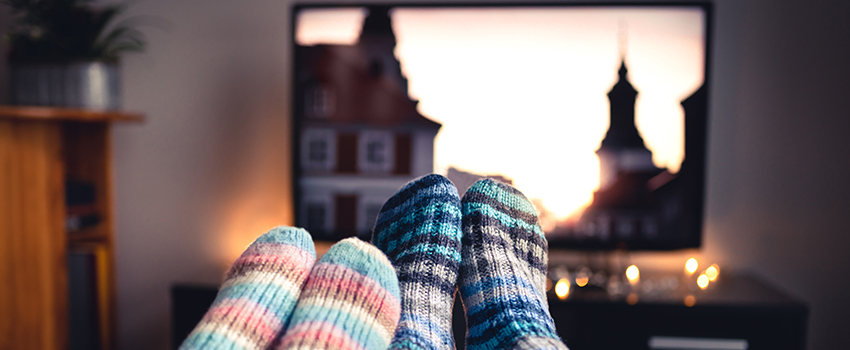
point(94, 85)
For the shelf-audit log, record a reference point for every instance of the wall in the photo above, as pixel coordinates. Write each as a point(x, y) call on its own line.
point(778, 201)
point(209, 170)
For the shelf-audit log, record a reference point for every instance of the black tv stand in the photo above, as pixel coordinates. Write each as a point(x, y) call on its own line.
point(737, 310)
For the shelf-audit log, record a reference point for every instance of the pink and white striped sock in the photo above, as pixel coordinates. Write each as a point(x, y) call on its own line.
point(259, 293)
point(350, 301)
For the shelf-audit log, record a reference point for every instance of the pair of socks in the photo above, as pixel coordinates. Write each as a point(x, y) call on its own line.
point(489, 244)
point(277, 296)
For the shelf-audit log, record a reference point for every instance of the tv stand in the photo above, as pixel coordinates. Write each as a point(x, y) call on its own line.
point(737, 309)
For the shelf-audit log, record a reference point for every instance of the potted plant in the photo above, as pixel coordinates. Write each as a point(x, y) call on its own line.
point(66, 52)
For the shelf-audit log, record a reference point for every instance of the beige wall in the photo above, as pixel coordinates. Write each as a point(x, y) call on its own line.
point(209, 169)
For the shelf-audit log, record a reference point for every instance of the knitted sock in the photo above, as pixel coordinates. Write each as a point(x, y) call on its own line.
point(350, 301)
point(419, 230)
point(503, 273)
point(258, 294)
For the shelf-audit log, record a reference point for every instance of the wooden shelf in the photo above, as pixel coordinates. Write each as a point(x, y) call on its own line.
point(40, 148)
point(67, 114)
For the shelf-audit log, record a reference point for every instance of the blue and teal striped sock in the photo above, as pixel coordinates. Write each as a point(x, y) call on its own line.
point(419, 230)
point(503, 273)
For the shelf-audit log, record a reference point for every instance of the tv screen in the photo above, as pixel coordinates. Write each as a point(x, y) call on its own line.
point(596, 112)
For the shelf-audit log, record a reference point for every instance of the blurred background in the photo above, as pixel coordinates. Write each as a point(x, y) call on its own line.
point(211, 166)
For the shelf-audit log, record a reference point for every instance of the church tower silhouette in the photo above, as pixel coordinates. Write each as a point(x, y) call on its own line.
point(622, 150)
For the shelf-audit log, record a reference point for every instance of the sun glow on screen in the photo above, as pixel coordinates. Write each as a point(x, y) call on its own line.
point(521, 92)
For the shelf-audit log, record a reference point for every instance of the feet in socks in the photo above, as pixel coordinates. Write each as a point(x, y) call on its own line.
point(259, 293)
point(419, 230)
point(350, 301)
point(503, 273)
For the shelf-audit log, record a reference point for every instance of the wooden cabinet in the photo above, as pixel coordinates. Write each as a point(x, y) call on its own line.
point(40, 149)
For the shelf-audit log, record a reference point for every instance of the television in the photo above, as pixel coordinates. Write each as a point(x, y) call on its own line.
point(597, 112)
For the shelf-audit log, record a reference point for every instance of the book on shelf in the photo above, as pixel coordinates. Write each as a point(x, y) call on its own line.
point(83, 326)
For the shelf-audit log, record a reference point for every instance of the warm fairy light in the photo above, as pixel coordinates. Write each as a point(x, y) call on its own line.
point(632, 299)
point(582, 279)
point(562, 288)
point(702, 281)
point(690, 300)
point(691, 266)
point(633, 274)
point(548, 284)
point(712, 272)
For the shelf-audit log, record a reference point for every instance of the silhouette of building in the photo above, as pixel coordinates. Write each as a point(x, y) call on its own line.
point(361, 137)
point(623, 207)
point(622, 150)
point(637, 202)
point(688, 204)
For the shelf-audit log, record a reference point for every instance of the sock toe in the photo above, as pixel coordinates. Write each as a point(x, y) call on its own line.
point(294, 236)
point(366, 260)
point(350, 301)
point(417, 206)
point(258, 294)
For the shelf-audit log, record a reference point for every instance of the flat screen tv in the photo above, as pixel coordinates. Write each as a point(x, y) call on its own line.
point(597, 112)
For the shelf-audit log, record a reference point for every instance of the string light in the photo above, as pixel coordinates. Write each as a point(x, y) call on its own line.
point(712, 272)
point(562, 288)
point(633, 274)
point(691, 266)
point(582, 279)
point(702, 281)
